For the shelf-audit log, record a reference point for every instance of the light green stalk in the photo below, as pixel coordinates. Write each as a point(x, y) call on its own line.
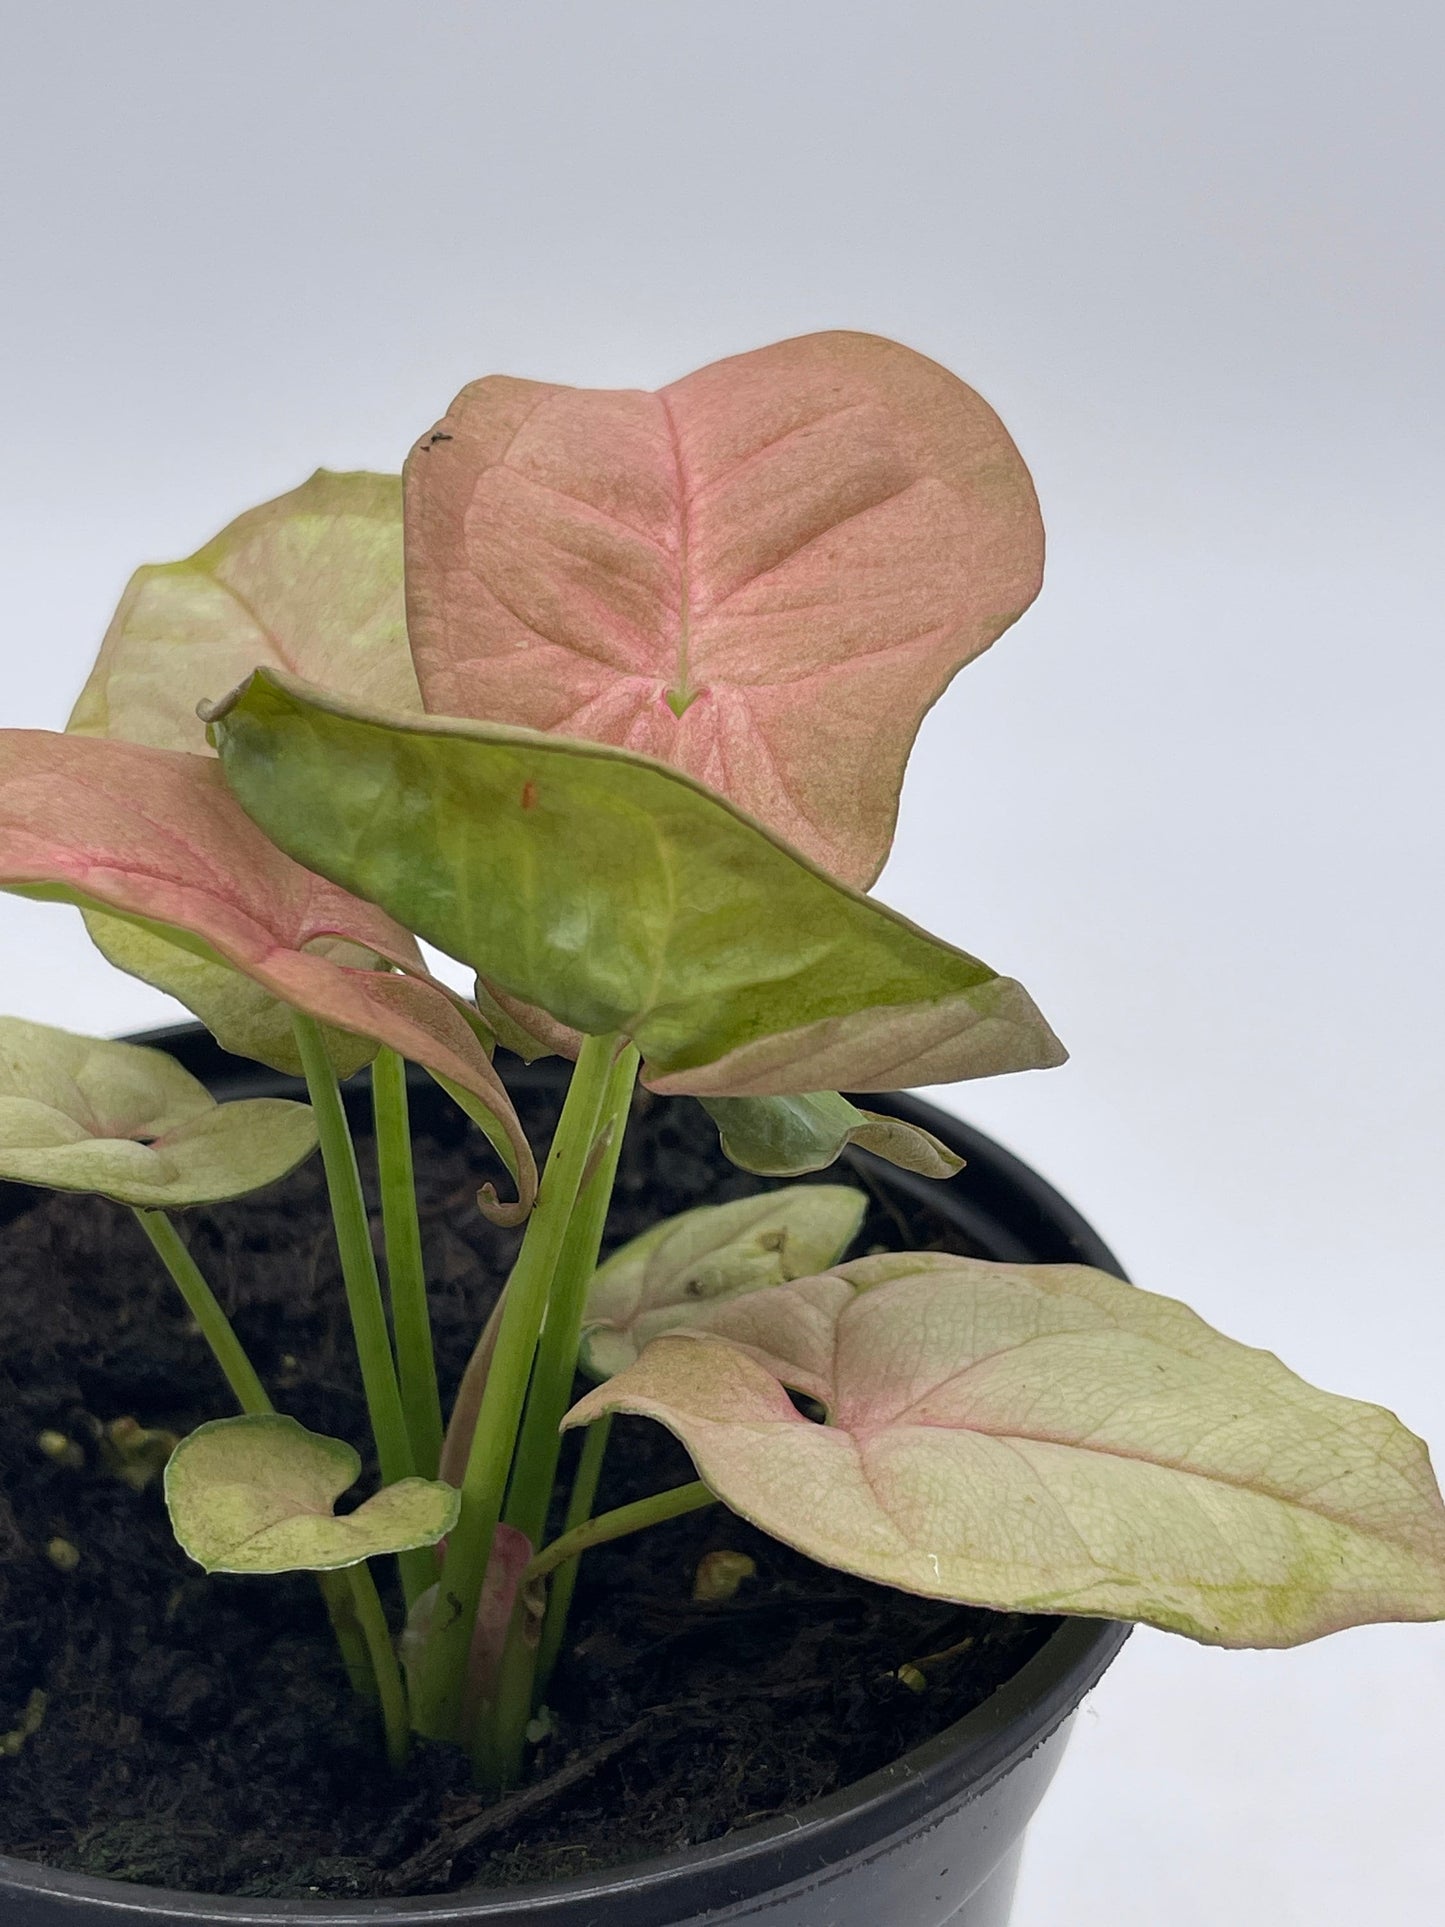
point(405, 1271)
point(579, 1511)
point(555, 1369)
point(362, 1281)
point(203, 1306)
point(377, 1634)
point(340, 1590)
point(651, 1511)
point(501, 1732)
point(443, 1667)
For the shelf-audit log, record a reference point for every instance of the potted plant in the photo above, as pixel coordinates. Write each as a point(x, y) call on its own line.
point(631, 749)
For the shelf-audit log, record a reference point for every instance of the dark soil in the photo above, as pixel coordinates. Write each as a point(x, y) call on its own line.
point(198, 1733)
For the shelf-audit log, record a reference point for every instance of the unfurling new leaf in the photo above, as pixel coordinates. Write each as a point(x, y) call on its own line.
point(787, 1137)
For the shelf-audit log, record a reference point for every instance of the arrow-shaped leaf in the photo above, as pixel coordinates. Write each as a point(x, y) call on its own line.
point(155, 836)
point(85, 1114)
point(257, 1494)
point(765, 573)
point(621, 896)
point(675, 1270)
point(1049, 1439)
point(310, 582)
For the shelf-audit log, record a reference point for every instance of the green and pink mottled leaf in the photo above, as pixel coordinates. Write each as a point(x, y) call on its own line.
point(765, 573)
point(86, 1114)
point(310, 582)
point(1048, 1439)
point(241, 1016)
point(775, 1137)
point(671, 1274)
point(155, 836)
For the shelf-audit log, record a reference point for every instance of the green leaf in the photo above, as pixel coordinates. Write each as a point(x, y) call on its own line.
point(787, 1137)
point(311, 581)
point(677, 1269)
point(85, 1114)
point(256, 1494)
point(1048, 1439)
point(238, 1013)
point(621, 896)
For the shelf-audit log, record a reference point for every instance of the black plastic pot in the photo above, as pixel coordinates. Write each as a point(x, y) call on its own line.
point(931, 1841)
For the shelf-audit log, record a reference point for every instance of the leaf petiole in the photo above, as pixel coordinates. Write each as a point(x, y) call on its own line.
point(550, 1392)
point(564, 1584)
point(405, 1270)
point(443, 1668)
point(252, 1396)
point(362, 1281)
point(204, 1307)
point(377, 1634)
point(651, 1511)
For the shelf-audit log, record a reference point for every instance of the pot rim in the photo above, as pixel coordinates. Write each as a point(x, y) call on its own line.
point(961, 1762)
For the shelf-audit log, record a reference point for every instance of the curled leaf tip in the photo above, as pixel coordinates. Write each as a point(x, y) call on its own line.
point(497, 1211)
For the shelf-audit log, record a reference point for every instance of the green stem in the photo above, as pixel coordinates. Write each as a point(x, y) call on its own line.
point(203, 1306)
point(501, 1740)
point(502, 1729)
point(363, 1283)
point(405, 1270)
point(251, 1396)
point(579, 1510)
point(651, 1511)
point(377, 1635)
point(550, 1394)
point(489, 1460)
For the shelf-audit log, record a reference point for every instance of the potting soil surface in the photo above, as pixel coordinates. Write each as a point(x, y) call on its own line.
point(198, 1733)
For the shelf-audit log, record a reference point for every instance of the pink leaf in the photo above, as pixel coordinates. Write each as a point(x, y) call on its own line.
point(765, 573)
point(155, 834)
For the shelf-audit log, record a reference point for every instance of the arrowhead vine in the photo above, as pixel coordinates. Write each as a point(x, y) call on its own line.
point(609, 699)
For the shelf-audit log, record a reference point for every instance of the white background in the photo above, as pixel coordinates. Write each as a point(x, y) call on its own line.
point(1193, 256)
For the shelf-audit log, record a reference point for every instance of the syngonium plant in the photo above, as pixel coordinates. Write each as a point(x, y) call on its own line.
point(609, 698)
